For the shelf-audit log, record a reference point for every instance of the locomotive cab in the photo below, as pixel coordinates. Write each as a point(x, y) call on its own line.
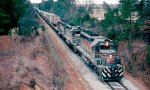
point(75, 34)
point(101, 55)
point(106, 58)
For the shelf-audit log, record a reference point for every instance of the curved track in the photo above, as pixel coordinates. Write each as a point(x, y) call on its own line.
point(116, 85)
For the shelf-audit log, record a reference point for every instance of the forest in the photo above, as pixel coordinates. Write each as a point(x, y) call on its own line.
point(117, 25)
point(16, 14)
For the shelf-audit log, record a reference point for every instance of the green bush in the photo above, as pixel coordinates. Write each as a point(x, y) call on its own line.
point(24, 31)
point(1, 31)
point(32, 83)
point(148, 54)
point(76, 19)
point(86, 17)
point(28, 23)
point(10, 32)
point(43, 28)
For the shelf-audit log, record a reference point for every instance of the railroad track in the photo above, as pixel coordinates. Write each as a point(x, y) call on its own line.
point(116, 85)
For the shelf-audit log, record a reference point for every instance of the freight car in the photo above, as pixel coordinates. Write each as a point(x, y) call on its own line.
point(98, 51)
point(50, 17)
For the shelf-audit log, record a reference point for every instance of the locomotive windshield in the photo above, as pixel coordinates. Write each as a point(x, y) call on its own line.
point(105, 47)
point(118, 61)
point(77, 32)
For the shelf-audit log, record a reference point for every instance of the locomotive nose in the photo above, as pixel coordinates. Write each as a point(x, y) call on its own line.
point(115, 68)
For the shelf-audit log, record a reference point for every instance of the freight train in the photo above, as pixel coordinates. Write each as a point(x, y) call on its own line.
point(98, 51)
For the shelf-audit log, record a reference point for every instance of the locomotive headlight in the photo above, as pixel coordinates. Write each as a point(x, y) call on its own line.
point(107, 43)
point(110, 56)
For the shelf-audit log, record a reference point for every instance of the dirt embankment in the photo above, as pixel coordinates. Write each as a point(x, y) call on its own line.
point(134, 59)
point(5, 42)
point(25, 59)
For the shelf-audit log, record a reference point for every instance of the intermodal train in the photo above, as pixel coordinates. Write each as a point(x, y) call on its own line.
point(98, 51)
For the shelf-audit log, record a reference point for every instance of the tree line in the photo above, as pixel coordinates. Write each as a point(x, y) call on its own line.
point(63, 8)
point(130, 20)
point(118, 23)
point(70, 12)
point(10, 13)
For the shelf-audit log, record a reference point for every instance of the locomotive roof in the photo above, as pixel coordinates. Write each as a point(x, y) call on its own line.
point(60, 22)
point(49, 13)
point(90, 32)
point(72, 27)
point(71, 24)
point(107, 51)
point(99, 39)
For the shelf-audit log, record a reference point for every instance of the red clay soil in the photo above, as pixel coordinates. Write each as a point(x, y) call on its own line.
point(24, 86)
point(140, 84)
point(74, 82)
point(24, 59)
point(5, 42)
point(136, 56)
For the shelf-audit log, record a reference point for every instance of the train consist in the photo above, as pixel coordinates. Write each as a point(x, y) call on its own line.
point(98, 51)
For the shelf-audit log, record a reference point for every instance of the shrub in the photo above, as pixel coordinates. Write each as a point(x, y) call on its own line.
point(130, 45)
point(1, 31)
point(32, 83)
point(28, 23)
point(148, 54)
point(112, 35)
point(43, 28)
point(24, 31)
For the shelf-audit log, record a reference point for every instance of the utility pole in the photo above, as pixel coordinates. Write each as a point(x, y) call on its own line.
point(86, 4)
point(130, 23)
